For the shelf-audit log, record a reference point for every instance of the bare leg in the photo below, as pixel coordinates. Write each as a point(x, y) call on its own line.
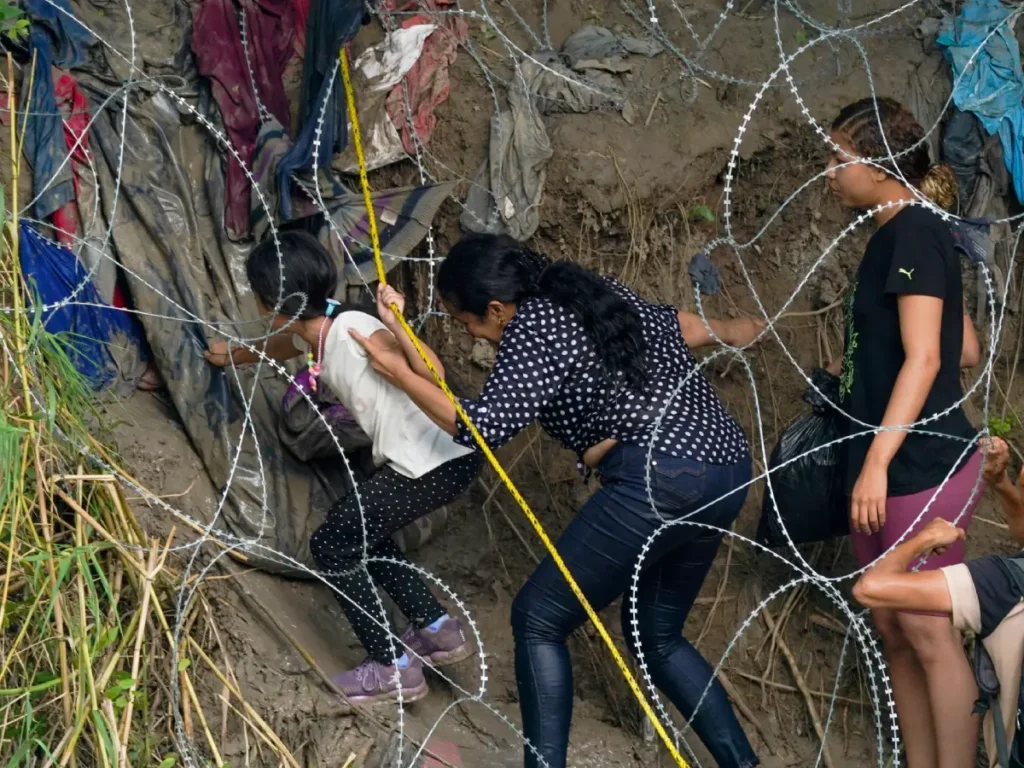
point(950, 685)
point(910, 691)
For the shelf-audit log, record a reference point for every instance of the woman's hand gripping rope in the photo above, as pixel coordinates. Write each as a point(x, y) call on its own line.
point(387, 361)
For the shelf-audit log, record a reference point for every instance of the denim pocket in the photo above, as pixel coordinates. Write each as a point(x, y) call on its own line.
point(677, 483)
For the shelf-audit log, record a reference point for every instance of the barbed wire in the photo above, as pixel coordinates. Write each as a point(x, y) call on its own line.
point(651, 18)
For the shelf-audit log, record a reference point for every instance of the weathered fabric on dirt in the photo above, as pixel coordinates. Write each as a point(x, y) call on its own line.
point(427, 84)
point(169, 231)
point(507, 190)
point(375, 75)
point(87, 330)
point(56, 38)
point(705, 274)
point(403, 215)
point(221, 57)
point(330, 24)
point(985, 61)
point(962, 143)
point(74, 111)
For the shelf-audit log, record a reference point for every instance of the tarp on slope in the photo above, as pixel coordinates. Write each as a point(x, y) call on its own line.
point(169, 234)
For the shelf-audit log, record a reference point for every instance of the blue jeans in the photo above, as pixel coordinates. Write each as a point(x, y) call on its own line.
point(601, 547)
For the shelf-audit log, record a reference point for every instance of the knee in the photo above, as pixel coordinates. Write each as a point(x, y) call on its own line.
point(647, 636)
point(331, 548)
point(889, 628)
point(932, 638)
point(318, 545)
point(532, 619)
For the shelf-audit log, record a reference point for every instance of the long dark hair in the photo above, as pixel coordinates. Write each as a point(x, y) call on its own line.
point(480, 269)
point(859, 123)
point(310, 277)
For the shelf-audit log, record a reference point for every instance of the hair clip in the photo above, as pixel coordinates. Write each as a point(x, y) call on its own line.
point(332, 306)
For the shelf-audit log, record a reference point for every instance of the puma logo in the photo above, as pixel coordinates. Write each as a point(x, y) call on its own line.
point(908, 273)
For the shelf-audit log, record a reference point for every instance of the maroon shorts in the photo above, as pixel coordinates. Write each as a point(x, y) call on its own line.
point(902, 511)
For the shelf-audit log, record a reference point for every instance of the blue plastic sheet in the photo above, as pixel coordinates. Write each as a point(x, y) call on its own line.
point(57, 39)
point(85, 327)
point(981, 49)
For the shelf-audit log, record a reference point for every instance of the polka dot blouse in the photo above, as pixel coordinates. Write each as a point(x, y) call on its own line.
point(547, 369)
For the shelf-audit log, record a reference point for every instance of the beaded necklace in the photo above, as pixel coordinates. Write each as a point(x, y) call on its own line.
point(316, 362)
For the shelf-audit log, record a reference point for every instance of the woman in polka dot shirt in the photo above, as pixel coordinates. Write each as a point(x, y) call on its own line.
point(610, 376)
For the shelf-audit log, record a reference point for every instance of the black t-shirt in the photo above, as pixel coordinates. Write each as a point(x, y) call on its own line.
point(911, 254)
point(999, 589)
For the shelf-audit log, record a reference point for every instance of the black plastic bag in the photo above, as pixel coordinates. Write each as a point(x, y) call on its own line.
point(808, 491)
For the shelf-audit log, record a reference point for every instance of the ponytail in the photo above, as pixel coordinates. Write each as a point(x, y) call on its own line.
point(940, 186)
point(481, 269)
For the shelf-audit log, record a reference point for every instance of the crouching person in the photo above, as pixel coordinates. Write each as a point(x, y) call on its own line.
point(984, 596)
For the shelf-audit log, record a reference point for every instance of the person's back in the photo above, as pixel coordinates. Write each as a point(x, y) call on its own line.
point(402, 434)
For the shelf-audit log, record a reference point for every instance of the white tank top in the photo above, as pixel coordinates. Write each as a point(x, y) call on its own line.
point(403, 435)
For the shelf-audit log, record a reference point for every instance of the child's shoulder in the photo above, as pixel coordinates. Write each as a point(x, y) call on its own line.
point(354, 318)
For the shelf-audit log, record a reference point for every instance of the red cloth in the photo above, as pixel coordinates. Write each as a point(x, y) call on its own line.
point(75, 108)
point(301, 14)
point(217, 44)
point(427, 82)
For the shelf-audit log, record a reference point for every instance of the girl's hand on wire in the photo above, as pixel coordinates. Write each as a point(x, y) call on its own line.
point(867, 504)
point(218, 354)
point(997, 458)
point(386, 356)
point(386, 296)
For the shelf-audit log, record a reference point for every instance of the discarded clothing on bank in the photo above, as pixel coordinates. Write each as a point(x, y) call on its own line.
point(963, 140)
point(74, 109)
point(377, 72)
point(403, 215)
point(927, 96)
point(57, 39)
point(323, 115)
point(506, 192)
point(988, 80)
point(85, 327)
point(705, 274)
point(221, 57)
point(972, 239)
point(168, 232)
point(427, 84)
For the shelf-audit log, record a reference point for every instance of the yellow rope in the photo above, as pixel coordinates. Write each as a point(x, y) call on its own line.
point(382, 277)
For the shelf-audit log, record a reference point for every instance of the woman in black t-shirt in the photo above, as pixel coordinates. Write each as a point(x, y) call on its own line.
point(905, 332)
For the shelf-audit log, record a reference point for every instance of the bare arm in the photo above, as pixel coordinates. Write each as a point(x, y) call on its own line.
point(1012, 499)
point(920, 327)
point(997, 458)
point(738, 332)
point(920, 319)
point(970, 356)
point(277, 347)
point(887, 584)
point(386, 296)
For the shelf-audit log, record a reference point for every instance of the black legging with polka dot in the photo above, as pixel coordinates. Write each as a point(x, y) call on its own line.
point(390, 501)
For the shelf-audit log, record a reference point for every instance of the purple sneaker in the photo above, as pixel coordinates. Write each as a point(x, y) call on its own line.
point(448, 645)
point(372, 682)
